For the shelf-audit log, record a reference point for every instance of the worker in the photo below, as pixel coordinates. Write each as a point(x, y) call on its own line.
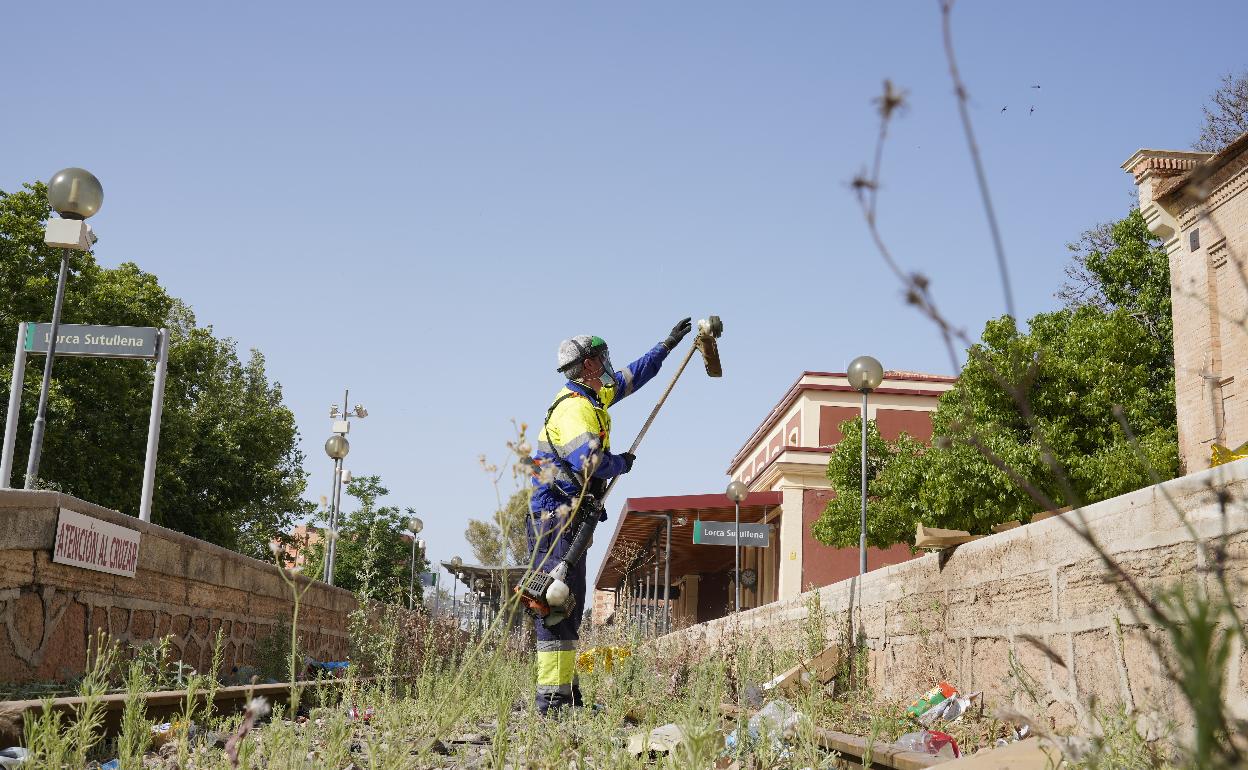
point(573, 446)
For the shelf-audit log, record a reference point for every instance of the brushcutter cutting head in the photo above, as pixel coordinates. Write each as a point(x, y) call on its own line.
point(709, 330)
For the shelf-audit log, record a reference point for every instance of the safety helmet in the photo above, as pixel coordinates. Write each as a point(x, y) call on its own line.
point(577, 349)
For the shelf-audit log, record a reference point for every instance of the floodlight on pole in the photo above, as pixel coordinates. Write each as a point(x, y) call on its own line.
point(337, 447)
point(865, 375)
point(76, 195)
point(737, 492)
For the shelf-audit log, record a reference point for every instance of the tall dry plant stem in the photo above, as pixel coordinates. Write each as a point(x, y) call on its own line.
point(1175, 614)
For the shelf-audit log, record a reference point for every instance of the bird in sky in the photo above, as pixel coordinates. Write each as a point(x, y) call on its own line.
point(1035, 86)
point(1033, 109)
point(1003, 109)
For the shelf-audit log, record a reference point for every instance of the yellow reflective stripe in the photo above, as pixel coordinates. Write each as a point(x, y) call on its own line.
point(556, 668)
point(573, 417)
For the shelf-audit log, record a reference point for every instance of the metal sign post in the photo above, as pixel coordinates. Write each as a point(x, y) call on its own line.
point(15, 404)
point(153, 427)
point(88, 340)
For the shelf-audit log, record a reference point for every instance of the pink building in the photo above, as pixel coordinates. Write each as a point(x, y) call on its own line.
point(783, 464)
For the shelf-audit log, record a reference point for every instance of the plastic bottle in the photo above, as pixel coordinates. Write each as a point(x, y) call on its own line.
point(931, 742)
point(937, 694)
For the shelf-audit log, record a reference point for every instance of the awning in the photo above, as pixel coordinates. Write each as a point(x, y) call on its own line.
point(635, 531)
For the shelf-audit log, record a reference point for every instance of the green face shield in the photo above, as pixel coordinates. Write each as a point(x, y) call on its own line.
point(608, 373)
point(598, 347)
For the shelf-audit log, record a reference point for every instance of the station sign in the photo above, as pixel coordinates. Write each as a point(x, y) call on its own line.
point(725, 533)
point(83, 541)
point(93, 340)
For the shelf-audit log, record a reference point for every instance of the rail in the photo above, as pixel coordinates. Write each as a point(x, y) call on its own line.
point(160, 703)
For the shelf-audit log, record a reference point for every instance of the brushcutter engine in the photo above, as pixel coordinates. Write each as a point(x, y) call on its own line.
point(545, 594)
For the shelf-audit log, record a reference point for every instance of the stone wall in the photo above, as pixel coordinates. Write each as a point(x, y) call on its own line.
point(963, 615)
point(183, 587)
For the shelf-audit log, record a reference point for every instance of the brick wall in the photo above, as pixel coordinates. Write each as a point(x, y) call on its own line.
point(1204, 227)
point(183, 587)
point(962, 615)
point(1209, 305)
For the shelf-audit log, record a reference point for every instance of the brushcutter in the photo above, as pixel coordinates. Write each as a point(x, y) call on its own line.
point(545, 594)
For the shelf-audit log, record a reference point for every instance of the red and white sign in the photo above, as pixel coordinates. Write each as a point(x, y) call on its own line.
point(93, 544)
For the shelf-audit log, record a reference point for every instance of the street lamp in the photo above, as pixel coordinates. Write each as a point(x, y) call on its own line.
point(479, 584)
point(736, 493)
point(864, 374)
point(414, 525)
point(456, 563)
point(75, 194)
point(337, 447)
point(340, 429)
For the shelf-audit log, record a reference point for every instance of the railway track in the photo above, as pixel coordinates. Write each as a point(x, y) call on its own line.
point(168, 703)
point(160, 704)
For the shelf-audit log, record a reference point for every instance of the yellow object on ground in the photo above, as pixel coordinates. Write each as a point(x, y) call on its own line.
point(601, 657)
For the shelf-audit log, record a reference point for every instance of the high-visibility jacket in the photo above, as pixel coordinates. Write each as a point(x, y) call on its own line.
point(579, 424)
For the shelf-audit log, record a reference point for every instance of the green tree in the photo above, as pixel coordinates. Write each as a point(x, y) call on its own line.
point(840, 522)
point(502, 541)
point(1110, 346)
point(373, 557)
point(229, 470)
point(1122, 265)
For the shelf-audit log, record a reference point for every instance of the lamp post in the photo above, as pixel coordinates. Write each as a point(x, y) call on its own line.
point(865, 375)
point(477, 585)
point(736, 492)
point(340, 447)
point(414, 525)
point(456, 563)
point(75, 194)
point(337, 447)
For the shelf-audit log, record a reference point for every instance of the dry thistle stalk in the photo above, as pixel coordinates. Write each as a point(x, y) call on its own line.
point(257, 708)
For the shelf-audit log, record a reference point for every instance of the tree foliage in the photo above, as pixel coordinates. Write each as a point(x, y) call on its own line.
point(373, 557)
point(1110, 346)
point(503, 540)
point(229, 469)
point(1226, 117)
point(840, 522)
point(1122, 265)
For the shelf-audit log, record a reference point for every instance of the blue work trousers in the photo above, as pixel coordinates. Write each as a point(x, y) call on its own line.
point(550, 536)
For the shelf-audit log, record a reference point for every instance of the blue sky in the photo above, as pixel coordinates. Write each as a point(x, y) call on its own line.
point(419, 200)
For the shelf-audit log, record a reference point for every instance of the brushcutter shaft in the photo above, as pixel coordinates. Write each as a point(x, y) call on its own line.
point(653, 413)
point(708, 330)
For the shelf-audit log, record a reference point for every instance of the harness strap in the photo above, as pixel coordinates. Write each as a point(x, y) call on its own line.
point(560, 460)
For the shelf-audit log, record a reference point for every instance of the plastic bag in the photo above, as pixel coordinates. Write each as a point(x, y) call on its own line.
point(777, 718)
point(13, 757)
point(931, 742)
point(776, 721)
